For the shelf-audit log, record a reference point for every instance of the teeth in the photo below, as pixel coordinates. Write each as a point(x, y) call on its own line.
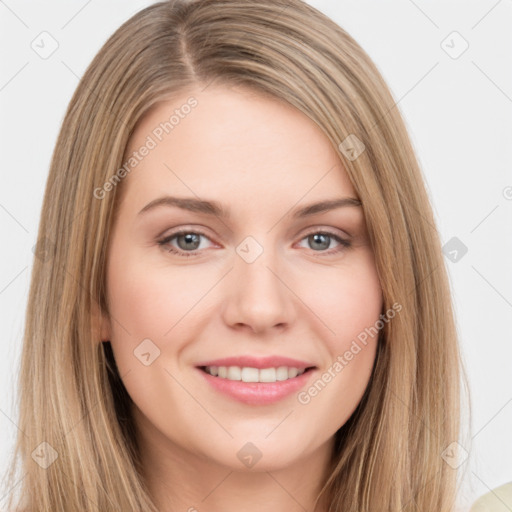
point(269, 374)
point(234, 373)
point(247, 374)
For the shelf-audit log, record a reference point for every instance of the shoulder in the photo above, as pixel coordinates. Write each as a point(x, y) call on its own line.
point(497, 500)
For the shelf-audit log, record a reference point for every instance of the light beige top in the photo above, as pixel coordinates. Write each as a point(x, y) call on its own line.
point(497, 500)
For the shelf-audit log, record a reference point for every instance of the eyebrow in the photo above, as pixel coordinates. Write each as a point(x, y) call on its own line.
point(216, 209)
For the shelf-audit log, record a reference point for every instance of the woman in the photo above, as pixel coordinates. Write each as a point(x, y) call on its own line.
point(238, 277)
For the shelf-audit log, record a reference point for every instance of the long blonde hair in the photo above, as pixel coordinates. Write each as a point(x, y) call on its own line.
point(388, 456)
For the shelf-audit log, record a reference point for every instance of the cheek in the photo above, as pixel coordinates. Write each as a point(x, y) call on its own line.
point(356, 346)
point(349, 305)
point(347, 299)
point(147, 300)
point(152, 301)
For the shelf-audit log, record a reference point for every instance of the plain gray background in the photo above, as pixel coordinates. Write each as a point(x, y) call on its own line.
point(457, 103)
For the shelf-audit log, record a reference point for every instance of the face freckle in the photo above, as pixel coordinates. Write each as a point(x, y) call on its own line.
point(278, 264)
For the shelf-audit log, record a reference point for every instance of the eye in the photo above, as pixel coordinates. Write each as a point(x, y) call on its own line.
point(185, 242)
point(188, 243)
point(319, 241)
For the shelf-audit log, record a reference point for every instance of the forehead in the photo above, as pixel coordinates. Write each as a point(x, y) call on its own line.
point(237, 141)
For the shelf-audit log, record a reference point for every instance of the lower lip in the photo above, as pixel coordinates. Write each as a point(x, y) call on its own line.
point(257, 393)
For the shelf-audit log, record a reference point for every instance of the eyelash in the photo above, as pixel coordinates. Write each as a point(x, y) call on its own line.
point(344, 244)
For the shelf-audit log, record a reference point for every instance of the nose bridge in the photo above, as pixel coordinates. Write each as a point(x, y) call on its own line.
point(252, 270)
point(256, 296)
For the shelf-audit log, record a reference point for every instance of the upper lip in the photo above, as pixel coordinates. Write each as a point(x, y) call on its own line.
point(258, 362)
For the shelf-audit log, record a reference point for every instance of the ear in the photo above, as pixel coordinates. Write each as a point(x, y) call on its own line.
point(101, 323)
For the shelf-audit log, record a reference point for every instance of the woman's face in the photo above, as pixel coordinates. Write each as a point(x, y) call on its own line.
point(219, 257)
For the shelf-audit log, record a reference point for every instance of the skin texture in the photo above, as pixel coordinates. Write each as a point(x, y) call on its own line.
point(262, 159)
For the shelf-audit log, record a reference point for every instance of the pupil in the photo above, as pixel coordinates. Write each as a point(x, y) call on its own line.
point(321, 239)
point(191, 241)
point(189, 238)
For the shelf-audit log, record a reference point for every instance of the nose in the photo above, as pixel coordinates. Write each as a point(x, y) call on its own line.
point(257, 299)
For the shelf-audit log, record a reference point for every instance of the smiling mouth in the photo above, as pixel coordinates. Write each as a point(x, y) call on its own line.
point(257, 375)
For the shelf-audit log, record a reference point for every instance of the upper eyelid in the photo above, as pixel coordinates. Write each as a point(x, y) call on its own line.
point(201, 231)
